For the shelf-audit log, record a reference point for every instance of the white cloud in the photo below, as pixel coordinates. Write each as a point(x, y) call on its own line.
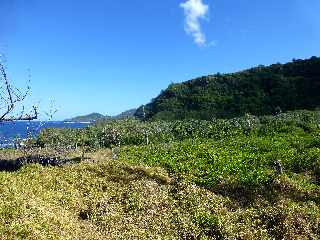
point(194, 10)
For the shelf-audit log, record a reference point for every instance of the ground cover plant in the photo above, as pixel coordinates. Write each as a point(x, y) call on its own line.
point(108, 199)
point(191, 180)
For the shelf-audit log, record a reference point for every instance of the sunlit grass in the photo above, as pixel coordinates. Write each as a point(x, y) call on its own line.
point(215, 180)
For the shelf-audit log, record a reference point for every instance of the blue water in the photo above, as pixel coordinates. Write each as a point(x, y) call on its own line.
point(9, 131)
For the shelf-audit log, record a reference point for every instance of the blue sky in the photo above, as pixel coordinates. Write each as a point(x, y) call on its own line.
point(108, 56)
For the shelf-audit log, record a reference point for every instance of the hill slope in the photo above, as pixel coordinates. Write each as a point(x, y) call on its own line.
point(87, 118)
point(260, 91)
point(93, 117)
point(125, 114)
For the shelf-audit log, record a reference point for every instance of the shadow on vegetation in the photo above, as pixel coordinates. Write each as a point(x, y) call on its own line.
point(121, 173)
point(273, 192)
point(14, 165)
point(141, 172)
point(242, 196)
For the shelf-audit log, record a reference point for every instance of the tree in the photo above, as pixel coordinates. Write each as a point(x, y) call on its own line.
point(11, 98)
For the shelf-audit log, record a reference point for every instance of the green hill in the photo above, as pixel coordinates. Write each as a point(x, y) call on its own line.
point(87, 118)
point(261, 90)
point(93, 117)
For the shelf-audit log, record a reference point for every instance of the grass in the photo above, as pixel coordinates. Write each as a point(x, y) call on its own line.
point(101, 200)
point(213, 183)
point(169, 191)
point(241, 169)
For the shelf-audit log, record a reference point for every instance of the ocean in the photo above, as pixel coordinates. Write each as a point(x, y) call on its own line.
point(9, 131)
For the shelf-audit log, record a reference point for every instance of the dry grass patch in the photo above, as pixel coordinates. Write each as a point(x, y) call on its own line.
point(105, 200)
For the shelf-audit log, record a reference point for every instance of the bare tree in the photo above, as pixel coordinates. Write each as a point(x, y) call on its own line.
point(12, 109)
point(11, 98)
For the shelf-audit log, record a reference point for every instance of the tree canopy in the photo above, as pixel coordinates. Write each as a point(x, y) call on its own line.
point(262, 90)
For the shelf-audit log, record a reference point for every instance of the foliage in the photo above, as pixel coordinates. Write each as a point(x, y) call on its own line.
point(196, 179)
point(238, 162)
point(116, 200)
point(105, 134)
point(258, 91)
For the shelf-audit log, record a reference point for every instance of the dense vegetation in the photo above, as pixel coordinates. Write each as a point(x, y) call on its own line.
point(193, 180)
point(108, 133)
point(258, 91)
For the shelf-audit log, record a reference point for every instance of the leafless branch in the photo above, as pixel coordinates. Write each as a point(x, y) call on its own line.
point(10, 97)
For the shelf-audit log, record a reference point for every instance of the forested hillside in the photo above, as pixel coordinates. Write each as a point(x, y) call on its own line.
point(87, 118)
point(93, 117)
point(262, 90)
